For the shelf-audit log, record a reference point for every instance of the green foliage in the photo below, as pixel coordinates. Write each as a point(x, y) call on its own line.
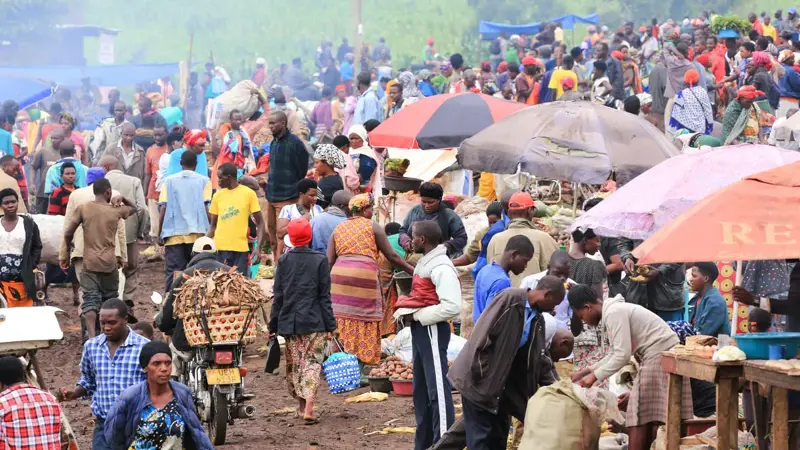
point(22, 17)
point(739, 24)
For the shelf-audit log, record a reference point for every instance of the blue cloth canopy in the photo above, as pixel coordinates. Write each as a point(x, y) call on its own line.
point(100, 75)
point(490, 30)
point(23, 90)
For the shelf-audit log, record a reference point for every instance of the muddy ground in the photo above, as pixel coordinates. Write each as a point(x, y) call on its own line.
point(341, 427)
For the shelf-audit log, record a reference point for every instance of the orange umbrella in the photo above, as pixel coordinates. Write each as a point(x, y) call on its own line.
point(754, 219)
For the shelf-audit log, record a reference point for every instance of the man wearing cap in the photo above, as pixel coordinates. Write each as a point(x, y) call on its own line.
point(204, 257)
point(525, 84)
point(454, 235)
point(520, 210)
point(790, 22)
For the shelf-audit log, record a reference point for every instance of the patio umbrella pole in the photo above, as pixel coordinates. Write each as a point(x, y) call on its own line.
point(575, 192)
point(734, 313)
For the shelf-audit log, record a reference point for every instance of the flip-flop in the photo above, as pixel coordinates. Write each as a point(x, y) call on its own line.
point(310, 420)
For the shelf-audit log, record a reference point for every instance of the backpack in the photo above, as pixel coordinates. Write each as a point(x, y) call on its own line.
point(494, 48)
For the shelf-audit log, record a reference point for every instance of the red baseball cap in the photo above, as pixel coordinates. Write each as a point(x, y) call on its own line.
point(528, 61)
point(520, 201)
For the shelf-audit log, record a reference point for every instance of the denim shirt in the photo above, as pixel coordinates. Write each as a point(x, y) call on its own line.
point(709, 314)
point(185, 208)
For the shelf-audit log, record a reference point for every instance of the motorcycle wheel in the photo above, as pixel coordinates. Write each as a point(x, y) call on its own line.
point(218, 425)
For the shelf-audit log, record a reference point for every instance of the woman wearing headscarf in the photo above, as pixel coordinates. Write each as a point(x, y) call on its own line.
point(789, 84)
point(410, 91)
point(302, 314)
point(157, 413)
point(68, 123)
point(365, 160)
point(328, 161)
point(692, 109)
point(194, 141)
point(353, 254)
point(758, 75)
point(744, 121)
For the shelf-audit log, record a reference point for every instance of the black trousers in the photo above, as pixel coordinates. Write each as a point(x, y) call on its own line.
point(176, 258)
point(433, 397)
point(484, 430)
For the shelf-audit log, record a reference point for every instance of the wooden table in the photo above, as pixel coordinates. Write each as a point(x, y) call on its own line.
point(756, 372)
point(724, 374)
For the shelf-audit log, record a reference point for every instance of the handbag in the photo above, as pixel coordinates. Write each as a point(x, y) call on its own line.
point(342, 372)
point(273, 355)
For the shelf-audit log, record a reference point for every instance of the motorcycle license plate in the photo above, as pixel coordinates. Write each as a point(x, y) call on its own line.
point(223, 376)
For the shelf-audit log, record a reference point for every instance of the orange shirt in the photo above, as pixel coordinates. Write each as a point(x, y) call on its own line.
point(151, 168)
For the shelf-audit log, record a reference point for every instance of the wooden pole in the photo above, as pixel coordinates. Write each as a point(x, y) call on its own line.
point(359, 31)
point(184, 86)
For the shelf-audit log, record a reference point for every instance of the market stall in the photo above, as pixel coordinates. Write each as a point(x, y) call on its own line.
point(780, 379)
point(725, 374)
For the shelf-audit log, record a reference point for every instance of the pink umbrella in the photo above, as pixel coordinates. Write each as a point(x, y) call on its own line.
point(639, 208)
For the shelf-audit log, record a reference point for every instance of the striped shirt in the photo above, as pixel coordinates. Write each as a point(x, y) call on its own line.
point(103, 377)
point(58, 201)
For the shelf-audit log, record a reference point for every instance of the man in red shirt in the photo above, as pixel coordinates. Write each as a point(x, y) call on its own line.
point(30, 418)
point(150, 170)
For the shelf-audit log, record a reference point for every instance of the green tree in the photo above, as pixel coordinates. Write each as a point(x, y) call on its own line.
point(23, 17)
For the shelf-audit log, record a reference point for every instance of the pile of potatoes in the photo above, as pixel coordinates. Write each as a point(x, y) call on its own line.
point(394, 368)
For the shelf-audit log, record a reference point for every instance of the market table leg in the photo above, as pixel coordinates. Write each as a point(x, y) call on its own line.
point(780, 419)
point(760, 421)
point(674, 393)
point(727, 413)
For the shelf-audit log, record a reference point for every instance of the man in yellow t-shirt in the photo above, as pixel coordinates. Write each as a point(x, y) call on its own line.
point(768, 29)
point(231, 209)
point(565, 71)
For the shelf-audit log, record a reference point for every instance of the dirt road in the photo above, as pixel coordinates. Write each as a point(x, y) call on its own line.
point(341, 427)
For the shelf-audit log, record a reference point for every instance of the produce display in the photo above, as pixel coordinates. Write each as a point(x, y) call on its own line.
point(396, 167)
point(720, 22)
point(641, 274)
point(393, 367)
point(210, 291)
point(700, 346)
point(790, 366)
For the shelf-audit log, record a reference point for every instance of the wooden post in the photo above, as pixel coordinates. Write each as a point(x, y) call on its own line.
point(357, 41)
point(780, 419)
point(727, 414)
point(674, 395)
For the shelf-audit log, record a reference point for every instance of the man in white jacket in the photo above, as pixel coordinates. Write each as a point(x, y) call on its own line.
point(435, 299)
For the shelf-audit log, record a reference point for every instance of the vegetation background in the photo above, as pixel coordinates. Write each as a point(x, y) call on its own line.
point(238, 31)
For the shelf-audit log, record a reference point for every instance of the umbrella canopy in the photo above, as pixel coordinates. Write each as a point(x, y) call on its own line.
point(441, 121)
point(752, 219)
point(575, 141)
point(656, 197)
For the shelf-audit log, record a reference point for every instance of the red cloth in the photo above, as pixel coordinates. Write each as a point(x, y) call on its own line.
point(749, 92)
point(32, 419)
point(423, 293)
point(758, 27)
point(194, 137)
point(618, 55)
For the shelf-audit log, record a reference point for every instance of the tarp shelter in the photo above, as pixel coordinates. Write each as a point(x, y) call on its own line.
point(25, 91)
point(490, 30)
point(101, 75)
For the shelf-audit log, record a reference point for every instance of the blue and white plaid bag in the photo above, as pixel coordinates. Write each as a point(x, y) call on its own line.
point(342, 372)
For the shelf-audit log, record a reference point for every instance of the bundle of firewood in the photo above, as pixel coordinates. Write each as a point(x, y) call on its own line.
point(211, 291)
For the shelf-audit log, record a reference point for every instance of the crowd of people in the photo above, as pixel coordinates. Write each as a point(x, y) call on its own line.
point(212, 198)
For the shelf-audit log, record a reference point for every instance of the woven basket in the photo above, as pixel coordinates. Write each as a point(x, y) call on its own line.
point(224, 325)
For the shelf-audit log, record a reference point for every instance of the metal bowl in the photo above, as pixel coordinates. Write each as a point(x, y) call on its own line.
point(401, 184)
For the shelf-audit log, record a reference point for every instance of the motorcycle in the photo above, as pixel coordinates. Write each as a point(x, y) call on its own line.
point(215, 374)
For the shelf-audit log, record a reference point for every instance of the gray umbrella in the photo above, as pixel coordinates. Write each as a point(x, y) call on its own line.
point(575, 141)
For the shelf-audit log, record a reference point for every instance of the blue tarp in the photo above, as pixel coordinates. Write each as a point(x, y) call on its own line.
point(110, 75)
point(490, 30)
point(25, 91)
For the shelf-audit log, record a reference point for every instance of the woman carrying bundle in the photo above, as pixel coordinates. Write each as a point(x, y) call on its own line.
point(693, 110)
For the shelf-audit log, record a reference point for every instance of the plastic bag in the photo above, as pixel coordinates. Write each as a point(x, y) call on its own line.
point(729, 353)
point(401, 346)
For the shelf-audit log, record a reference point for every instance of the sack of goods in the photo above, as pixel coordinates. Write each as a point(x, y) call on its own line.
point(566, 416)
point(219, 306)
